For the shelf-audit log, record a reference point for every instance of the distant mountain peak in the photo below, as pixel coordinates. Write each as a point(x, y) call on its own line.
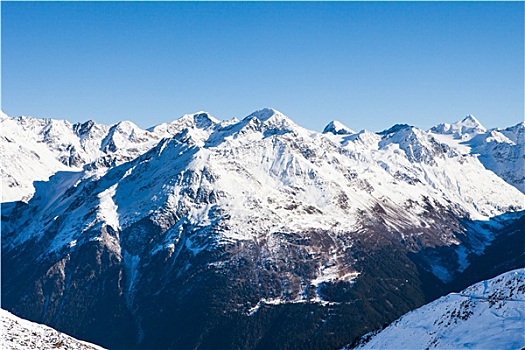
point(470, 119)
point(394, 129)
point(265, 114)
point(337, 128)
point(268, 121)
point(465, 129)
point(200, 120)
point(516, 133)
point(471, 124)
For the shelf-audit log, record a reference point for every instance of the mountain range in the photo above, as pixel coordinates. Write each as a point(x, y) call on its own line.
point(252, 233)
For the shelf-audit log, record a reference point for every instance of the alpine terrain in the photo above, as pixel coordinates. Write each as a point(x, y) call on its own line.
point(487, 315)
point(253, 233)
point(17, 333)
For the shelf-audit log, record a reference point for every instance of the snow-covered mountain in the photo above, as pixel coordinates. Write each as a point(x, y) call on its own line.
point(499, 150)
point(235, 221)
point(488, 315)
point(44, 147)
point(17, 333)
point(461, 130)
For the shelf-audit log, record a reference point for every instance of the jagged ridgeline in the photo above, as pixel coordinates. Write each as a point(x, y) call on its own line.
point(252, 233)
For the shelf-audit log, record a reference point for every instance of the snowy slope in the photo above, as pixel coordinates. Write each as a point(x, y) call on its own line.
point(19, 334)
point(23, 158)
point(44, 147)
point(487, 315)
point(499, 150)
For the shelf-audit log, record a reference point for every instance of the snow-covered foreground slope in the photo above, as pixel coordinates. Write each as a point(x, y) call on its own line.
point(487, 315)
point(19, 334)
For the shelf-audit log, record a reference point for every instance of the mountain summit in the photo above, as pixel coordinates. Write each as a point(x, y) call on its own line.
point(466, 128)
point(337, 128)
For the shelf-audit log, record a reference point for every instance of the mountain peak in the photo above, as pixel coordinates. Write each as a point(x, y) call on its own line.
point(515, 133)
point(265, 114)
point(394, 129)
point(467, 128)
point(125, 126)
point(200, 120)
point(471, 121)
point(337, 128)
point(269, 119)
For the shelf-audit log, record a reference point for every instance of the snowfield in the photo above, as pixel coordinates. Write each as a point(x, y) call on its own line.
point(487, 315)
point(19, 334)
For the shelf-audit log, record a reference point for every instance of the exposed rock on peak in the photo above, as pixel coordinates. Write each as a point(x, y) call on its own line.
point(394, 129)
point(337, 128)
point(515, 133)
point(200, 120)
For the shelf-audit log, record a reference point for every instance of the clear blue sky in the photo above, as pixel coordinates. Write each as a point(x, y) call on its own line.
point(369, 65)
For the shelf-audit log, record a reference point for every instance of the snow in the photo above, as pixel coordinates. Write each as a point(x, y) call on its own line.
point(499, 150)
point(32, 162)
point(278, 301)
point(108, 210)
point(463, 130)
point(19, 334)
point(487, 315)
point(515, 133)
point(257, 176)
point(330, 272)
point(47, 146)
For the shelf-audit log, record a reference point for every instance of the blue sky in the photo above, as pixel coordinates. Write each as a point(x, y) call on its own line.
point(367, 64)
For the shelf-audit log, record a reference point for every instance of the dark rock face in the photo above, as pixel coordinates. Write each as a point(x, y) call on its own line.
point(78, 294)
point(215, 298)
